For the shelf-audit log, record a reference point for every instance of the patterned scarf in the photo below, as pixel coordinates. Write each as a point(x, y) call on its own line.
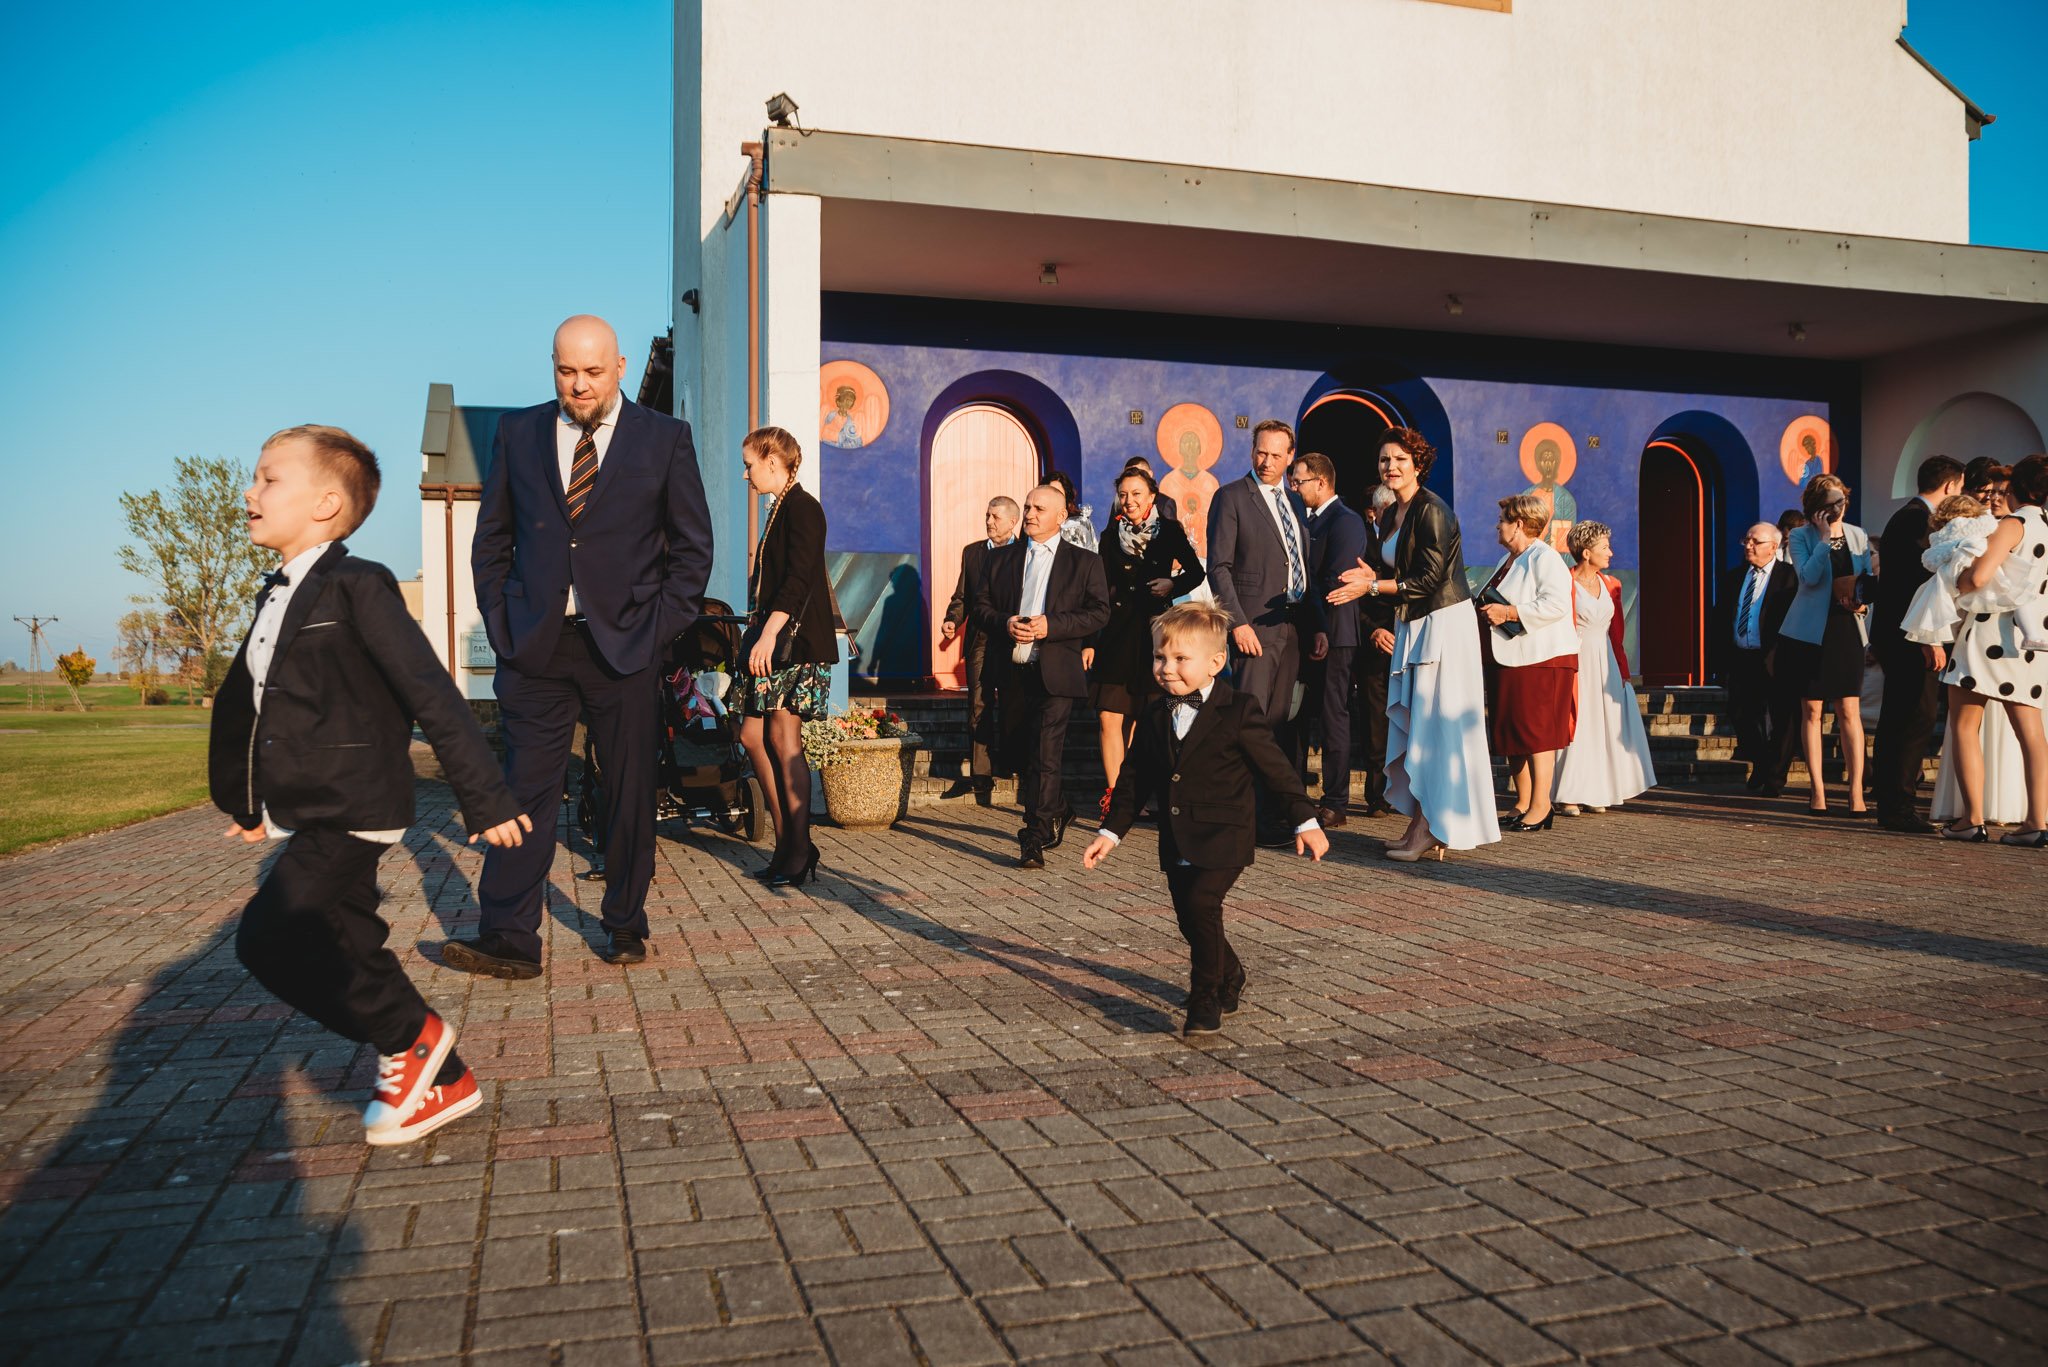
point(1135, 537)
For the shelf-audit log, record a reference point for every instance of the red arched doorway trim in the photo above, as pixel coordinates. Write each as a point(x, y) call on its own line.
point(1698, 671)
point(1345, 396)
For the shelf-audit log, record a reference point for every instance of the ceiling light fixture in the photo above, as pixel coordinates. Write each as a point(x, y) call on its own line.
point(1797, 332)
point(1048, 274)
point(1453, 305)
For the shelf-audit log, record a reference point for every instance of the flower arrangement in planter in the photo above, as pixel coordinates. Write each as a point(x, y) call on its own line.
point(865, 759)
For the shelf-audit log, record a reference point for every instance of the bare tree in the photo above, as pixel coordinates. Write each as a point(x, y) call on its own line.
point(196, 553)
point(143, 647)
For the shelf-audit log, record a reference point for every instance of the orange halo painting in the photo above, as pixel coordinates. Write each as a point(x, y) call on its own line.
point(1190, 440)
point(853, 405)
point(1807, 449)
point(1567, 452)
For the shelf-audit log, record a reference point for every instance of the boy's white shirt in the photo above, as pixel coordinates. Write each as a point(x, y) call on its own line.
point(262, 647)
point(1181, 722)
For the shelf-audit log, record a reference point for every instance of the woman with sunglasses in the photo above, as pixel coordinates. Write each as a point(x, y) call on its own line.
point(1822, 642)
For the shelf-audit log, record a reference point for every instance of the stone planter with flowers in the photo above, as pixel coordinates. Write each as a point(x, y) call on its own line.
point(865, 760)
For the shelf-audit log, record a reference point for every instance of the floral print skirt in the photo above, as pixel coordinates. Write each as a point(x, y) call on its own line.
point(803, 689)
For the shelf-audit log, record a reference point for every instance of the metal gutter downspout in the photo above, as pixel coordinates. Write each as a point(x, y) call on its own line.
point(447, 493)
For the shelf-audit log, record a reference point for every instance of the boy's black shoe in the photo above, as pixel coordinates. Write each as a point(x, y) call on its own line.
point(1232, 992)
point(490, 956)
point(1031, 857)
point(626, 948)
point(1205, 1013)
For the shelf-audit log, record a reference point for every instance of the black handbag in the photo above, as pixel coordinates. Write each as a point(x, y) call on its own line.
point(1510, 628)
point(782, 657)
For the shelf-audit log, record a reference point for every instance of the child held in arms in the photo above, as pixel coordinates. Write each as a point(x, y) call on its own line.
point(1200, 748)
point(311, 736)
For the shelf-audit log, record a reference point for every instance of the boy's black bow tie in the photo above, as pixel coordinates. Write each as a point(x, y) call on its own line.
point(273, 579)
point(1191, 701)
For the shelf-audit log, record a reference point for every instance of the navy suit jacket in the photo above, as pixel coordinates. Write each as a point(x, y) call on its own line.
point(638, 560)
point(1247, 559)
point(1337, 542)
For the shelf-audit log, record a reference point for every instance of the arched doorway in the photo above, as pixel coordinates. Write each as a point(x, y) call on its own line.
point(1965, 426)
point(1346, 425)
point(1674, 512)
point(981, 450)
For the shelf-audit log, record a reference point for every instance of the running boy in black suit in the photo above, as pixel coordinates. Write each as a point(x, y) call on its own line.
point(311, 741)
point(1202, 749)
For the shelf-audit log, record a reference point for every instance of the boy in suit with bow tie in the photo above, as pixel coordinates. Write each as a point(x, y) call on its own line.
point(1201, 752)
point(312, 731)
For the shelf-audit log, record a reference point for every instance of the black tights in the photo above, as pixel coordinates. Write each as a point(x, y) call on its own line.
point(775, 744)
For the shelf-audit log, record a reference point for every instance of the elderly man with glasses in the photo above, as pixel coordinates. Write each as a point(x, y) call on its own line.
point(1754, 597)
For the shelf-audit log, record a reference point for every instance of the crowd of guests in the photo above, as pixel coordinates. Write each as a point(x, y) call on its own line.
point(1946, 609)
point(1354, 631)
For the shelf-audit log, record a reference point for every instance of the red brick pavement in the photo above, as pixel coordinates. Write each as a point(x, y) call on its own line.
point(1698, 1081)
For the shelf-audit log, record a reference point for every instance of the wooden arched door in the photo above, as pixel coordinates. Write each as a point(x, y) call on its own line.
point(979, 452)
point(1671, 522)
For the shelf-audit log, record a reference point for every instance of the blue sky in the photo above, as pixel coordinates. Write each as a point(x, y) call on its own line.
point(221, 219)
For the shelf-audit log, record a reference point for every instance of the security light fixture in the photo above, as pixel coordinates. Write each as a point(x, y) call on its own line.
point(1048, 274)
point(1797, 332)
point(781, 109)
point(1453, 305)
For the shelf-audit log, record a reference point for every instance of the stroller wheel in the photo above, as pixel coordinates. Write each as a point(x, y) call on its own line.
point(754, 824)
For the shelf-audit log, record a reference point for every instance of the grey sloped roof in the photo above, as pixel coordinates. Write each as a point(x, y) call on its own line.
point(457, 439)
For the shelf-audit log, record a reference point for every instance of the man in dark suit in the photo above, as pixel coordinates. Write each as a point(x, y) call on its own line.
point(1042, 598)
point(1376, 618)
point(593, 545)
point(1336, 542)
point(1001, 521)
point(1258, 567)
point(1754, 597)
point(1912, 672)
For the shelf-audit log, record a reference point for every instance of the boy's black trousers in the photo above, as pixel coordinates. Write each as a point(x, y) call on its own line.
point(312, 936)
point(1198, 905)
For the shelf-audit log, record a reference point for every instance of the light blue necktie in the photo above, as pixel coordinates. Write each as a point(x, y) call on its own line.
point(1297, 578)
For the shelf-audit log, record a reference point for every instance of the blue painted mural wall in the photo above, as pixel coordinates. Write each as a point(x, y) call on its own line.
point(1082, 395)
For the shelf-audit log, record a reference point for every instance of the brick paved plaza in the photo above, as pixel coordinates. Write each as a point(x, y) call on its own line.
point(1701, 1081)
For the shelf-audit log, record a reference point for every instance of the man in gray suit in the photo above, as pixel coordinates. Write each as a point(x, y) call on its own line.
point(1258, 567)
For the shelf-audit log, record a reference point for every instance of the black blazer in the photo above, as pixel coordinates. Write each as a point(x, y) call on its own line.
point(1337, 542)
point(332, 747)
point(1900, 573)
point(1779, 591)
point(1076, 606)
point(1429, 559)
point(1204, 796)
point(789, 576)
point(1133, 605)
point(974, 558)
point(639, 559)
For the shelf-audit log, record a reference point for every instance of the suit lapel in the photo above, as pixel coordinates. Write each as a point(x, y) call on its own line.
point(625, 429)
point(551, 458)
point(303, 596)
point(1207, 718)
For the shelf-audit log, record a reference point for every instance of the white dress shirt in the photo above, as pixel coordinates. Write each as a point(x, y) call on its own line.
point(263, 649)
point(567, 433)
point(1274, 496)
point(1749, 631)
point(1183, 719)
point(1037, 577)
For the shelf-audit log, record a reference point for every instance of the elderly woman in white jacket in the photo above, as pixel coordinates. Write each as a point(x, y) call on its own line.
point(1533, 698)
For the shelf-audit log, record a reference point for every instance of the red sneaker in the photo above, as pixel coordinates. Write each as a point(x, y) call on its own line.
point(402, 1079)
point(439, 1106)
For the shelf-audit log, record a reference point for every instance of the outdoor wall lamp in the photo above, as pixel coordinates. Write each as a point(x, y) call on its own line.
point(1048, 274)
point(781, 109)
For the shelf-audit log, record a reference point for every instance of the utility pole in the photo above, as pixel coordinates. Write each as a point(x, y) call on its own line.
point(35, 627)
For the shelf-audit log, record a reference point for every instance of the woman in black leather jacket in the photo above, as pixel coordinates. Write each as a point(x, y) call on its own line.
point(1439, 772)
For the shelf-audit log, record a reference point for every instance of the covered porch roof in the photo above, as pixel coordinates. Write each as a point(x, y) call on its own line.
point(948, 220)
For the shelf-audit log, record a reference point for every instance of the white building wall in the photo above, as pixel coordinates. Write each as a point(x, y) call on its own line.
point(1794, 113)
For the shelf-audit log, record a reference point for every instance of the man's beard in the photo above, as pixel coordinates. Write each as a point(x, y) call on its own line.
point(583, 410)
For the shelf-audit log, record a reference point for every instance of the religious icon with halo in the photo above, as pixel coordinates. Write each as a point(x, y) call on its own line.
point(854, 405)
point(1807, 449)
point(1190, 440)
point(1549, 459)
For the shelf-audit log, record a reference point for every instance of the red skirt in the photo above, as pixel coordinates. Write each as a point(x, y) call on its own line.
point(1535, 707)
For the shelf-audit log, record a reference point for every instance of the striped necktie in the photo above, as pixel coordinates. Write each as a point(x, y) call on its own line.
point(1297, 576)
point(582, 473)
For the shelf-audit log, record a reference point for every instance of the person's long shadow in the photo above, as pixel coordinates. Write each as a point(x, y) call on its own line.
point(1118, 992)
point(137, 1234)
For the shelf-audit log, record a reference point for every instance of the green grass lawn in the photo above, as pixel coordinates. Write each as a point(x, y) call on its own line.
point(70, 773)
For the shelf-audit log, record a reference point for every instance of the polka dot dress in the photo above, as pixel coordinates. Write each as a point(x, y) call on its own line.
point(1988, 659)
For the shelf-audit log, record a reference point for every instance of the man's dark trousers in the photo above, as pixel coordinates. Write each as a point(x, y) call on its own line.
point(1371, 667)
point(1035, 737)
point(539, 724)
point(1905, 727)
point(1751, 706)
point(1337, 690)
point(312, 936)
point(981, 708)
point(1270, 677)
point(1198, 905)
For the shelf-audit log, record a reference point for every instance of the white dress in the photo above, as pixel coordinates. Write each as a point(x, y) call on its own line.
point(1437, 759)
point(1988, 659)
point(2005, 774)
point(1608, 761)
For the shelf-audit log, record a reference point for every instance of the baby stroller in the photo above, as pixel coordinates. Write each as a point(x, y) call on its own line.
point(703, 774)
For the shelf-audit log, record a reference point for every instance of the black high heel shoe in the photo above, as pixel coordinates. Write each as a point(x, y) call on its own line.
point(1522, 824)
point(770, 870)
point(790, 878)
